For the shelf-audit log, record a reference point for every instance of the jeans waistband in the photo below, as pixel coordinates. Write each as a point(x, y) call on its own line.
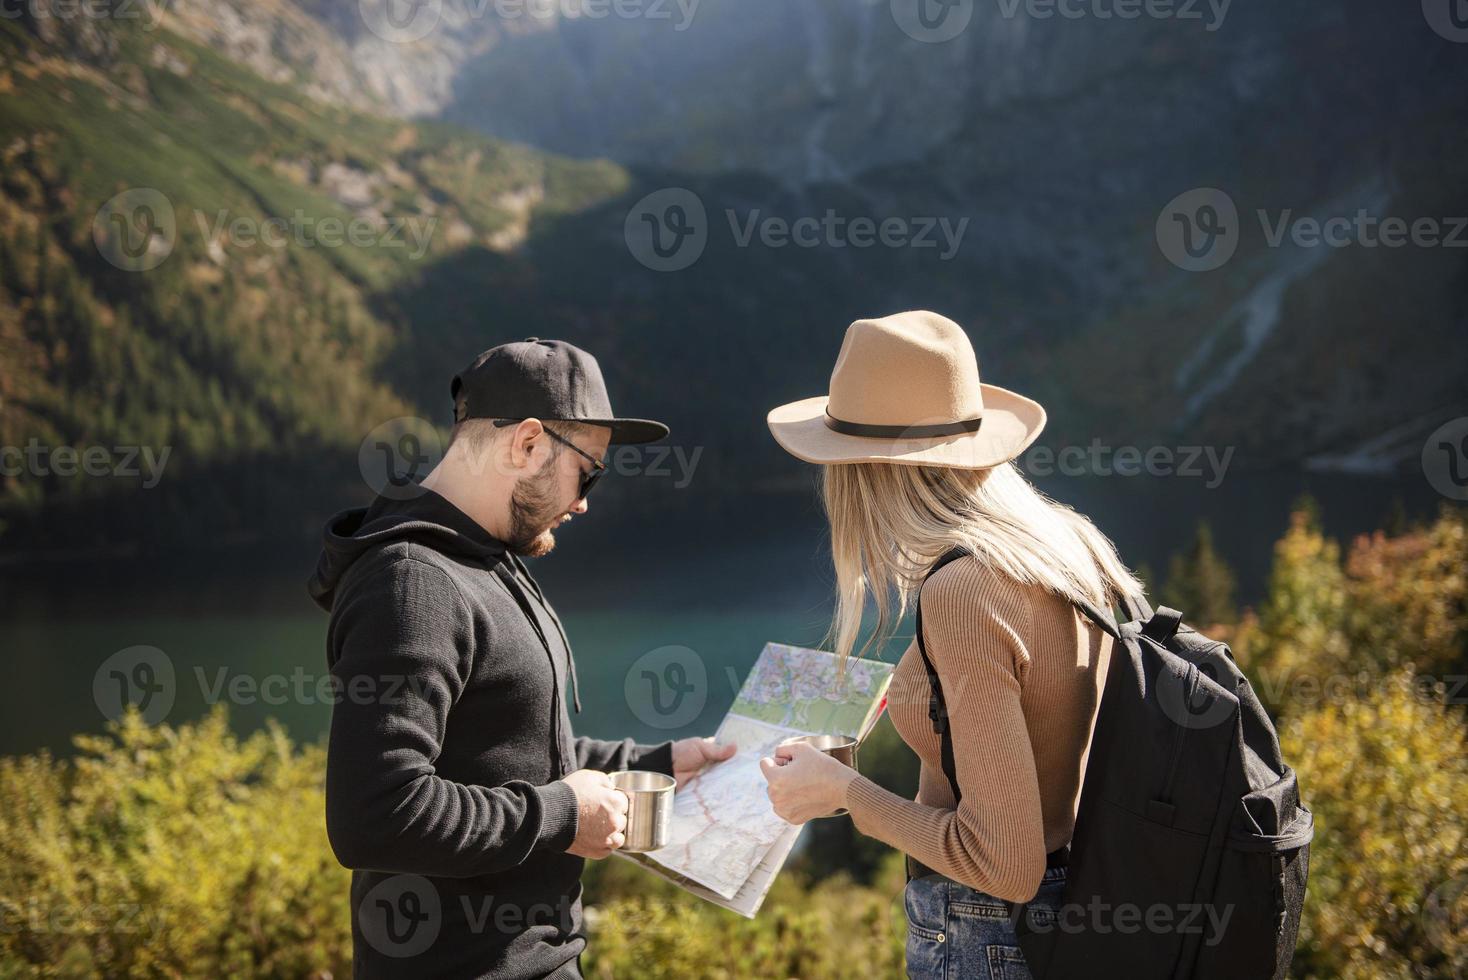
point(1055, 861)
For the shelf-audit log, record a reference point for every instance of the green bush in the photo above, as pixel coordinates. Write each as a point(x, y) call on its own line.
point(1387, 778)
point(170, 852)
point(189, 852)
point(1358, 655)
point(1200, 583)
point(827, 928)
point(1330, 624)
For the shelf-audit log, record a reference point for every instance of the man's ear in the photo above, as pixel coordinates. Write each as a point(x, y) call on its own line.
point(527, 434)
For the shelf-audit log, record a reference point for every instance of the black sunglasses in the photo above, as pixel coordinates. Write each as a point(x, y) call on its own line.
point(588, 480)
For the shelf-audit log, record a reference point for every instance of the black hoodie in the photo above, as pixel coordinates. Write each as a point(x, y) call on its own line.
point(449, 738)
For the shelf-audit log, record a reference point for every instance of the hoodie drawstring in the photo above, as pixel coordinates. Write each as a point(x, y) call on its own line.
point(565, 641)
point(575, 696)
point(513, 587)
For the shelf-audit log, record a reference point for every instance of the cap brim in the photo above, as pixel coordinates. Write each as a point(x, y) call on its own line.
point(1011, 423)
point(628, 432)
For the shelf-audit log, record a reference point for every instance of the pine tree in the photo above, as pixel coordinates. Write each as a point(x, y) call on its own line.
point(1200, 583)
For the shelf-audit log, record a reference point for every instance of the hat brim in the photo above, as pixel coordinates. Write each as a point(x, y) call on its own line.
point(631, 432)
point(1011, 423)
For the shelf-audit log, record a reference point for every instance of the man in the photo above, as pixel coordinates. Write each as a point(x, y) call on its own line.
point(455, 789)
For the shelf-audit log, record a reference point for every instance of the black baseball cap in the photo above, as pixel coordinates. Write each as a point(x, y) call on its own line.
point(544, 379)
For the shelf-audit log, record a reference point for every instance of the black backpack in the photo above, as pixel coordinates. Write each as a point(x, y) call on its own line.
point(1191, 846)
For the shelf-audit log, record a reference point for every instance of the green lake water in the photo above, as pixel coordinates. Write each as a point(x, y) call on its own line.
point(241, 629)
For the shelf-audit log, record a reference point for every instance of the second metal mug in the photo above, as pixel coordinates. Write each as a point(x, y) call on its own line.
point(842, 748)
point(649, 808)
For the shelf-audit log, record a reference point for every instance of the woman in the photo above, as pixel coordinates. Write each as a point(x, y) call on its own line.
point(917, 458)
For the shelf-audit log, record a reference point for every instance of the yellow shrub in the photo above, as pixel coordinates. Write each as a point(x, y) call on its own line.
point(1395, 602)
point(187, 852)
point(1409, 596)
point(1387, 777)
point(832, 929)
point(170, 852)
point(1301, 629)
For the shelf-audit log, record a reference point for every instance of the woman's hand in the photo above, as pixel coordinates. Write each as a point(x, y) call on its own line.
point(804, 782)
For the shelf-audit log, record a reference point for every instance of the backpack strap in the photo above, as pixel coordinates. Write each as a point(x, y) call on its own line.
point(938, 713)
point(1163, 625)
point(1136, 608)
point(1101, 619)
point(937, 708)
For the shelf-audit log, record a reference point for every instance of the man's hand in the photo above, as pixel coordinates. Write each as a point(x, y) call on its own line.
point(690, 755)
point(601, 815)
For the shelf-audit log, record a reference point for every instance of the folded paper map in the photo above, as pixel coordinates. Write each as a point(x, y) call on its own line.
point(726, 843)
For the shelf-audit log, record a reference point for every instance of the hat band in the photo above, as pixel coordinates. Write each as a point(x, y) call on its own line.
point(901, 431)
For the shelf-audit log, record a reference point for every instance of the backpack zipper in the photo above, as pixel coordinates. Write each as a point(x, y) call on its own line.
point(1190, 687)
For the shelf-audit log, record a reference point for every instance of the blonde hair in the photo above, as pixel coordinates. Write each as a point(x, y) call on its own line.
point(890, 522)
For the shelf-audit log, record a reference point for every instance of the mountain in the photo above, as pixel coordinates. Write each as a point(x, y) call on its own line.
point(1059, 137)
point(1024, 167)
point(195, 258)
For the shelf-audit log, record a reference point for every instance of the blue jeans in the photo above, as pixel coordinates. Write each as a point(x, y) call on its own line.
point(957, 933)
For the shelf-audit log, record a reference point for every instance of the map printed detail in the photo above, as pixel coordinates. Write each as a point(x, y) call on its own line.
point(800, 689)
point(726, 843)
point(722, 822)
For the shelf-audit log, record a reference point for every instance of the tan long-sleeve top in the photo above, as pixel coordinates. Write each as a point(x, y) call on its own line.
point(1021, 672)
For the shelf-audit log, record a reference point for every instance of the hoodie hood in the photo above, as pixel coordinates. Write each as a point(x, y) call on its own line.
point(427, 518)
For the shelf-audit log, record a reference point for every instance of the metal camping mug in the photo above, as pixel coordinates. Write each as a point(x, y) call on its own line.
point(649, 808)
point(842, 748)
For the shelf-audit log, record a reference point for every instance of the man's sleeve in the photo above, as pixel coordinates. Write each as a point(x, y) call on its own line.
point(404, 646)
point(593, 753)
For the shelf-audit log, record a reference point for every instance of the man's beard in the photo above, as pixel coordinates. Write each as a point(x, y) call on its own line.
point(533, 510)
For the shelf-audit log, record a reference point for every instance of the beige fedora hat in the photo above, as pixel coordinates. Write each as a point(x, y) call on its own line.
point(906, 389)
